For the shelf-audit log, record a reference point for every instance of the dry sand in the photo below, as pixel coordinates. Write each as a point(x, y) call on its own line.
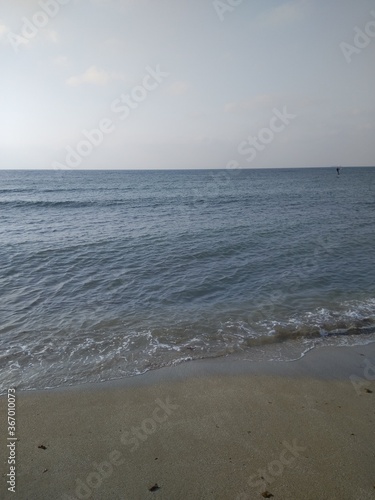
point(204, 430)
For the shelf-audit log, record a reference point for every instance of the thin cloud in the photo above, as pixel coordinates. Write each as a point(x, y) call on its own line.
point(51, 35)
point(284, 14)
point(92, 76)
point(61, 61)
point(258, 102)
point(45, 35)
point(178, 88)
point(119, 4)
point(3, 30)
point(95, 76)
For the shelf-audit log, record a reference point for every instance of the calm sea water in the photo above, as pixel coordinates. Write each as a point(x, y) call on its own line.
point(110, 274)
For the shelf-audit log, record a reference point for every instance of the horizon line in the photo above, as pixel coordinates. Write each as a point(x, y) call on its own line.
point(174, 169)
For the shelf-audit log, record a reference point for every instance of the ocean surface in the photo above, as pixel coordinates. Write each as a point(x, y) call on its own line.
point(108, 274)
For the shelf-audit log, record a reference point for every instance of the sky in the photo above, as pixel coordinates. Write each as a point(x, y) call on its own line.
point(170, 84)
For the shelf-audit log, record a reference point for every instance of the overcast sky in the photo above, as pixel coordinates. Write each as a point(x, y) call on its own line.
point(218, 76)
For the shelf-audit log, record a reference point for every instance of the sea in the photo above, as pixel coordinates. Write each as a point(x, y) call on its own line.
point(109, 274)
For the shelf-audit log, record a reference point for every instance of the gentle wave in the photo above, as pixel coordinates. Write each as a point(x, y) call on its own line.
point(61, 204)
point(91, 203)
point(109, 351)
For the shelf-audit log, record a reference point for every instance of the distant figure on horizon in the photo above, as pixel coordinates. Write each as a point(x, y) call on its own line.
point(338, 170)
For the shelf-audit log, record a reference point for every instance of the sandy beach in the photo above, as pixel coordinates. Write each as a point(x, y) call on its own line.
point(217, 429)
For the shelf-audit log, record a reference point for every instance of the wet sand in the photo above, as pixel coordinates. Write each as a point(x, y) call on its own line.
point(217, 429)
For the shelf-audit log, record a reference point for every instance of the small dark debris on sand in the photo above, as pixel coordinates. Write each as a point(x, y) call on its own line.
point(368, 391)
point(41, 446)
point(154, 488)
point(267, 494)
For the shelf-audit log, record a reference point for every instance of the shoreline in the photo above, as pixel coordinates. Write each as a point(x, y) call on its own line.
point(204, 429)
point(310, 364)
point(234, 363)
